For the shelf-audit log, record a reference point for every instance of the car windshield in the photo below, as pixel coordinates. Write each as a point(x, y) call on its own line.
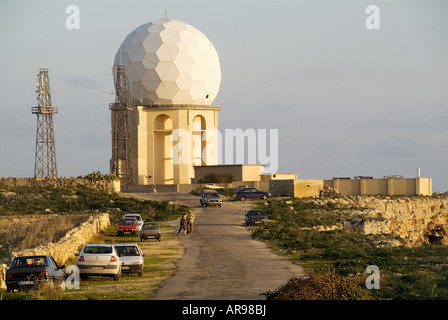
point(211, 194)
point(150, 227)
point(26, 262)
point(127, 251)
point(98, 249)
point(136, 217)
point(128, 221)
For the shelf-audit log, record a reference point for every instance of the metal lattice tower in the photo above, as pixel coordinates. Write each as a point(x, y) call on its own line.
point(45, 158)
point(120, 163)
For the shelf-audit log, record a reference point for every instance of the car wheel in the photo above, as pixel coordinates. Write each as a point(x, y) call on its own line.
point(243, 198)
point(117, 276)
point(263, 197)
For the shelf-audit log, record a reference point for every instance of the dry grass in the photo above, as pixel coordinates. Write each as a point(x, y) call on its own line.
point(323, 286)
point(20, 233)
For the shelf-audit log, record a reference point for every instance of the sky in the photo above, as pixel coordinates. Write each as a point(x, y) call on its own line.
point(346, 100)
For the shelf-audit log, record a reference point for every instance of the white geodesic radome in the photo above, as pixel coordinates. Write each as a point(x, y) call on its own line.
point(170, 62)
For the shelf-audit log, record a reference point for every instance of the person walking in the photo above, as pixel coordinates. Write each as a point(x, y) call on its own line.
point(183, 224)
point(190, 220)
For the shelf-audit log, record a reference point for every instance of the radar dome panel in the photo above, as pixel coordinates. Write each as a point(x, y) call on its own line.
point(170, 62)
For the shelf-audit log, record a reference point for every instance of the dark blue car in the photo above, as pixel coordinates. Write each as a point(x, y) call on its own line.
point(251, 193)
point(26, 272)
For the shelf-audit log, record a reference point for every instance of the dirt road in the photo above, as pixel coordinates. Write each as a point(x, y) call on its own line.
point(221, 260)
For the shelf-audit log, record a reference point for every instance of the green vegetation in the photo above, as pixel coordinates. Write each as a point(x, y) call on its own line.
point(72, 207)
point(405, 273)
point(214, 177)
point(98, 176)
point(33, 200)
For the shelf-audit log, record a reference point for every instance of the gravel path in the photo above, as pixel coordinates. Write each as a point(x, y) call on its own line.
point(221, 260)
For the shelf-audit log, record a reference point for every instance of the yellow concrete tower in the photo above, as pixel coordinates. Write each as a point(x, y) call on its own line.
point(173, 76)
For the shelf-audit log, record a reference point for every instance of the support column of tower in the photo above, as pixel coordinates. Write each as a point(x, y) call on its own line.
point(120, 163)
point(45, 156)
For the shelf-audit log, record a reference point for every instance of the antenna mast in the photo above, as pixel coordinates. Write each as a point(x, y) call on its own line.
point(45, 157)
point(120, 163)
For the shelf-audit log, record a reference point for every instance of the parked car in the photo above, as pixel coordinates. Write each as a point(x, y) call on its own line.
point(256, 216)
point(151, 230)
point(251, 193)
point(131, 257)
point(128, 226)
point(99, 259)
point(27, 272)
point(136, 216)
point(209, 197)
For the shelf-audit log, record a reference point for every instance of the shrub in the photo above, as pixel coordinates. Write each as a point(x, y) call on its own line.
point(98, 176)
point(322, 286)
point(214, 177)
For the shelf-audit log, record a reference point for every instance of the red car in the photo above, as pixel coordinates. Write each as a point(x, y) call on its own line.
point(128, 226)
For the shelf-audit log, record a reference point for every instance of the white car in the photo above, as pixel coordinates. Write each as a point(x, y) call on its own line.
point(131, 257)
point(99, 259)
point(136, 216)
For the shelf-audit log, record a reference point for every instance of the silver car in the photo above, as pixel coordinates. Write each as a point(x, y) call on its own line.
point(210, 197)
point(99, 259)
point(151, 230)
point(131, 257)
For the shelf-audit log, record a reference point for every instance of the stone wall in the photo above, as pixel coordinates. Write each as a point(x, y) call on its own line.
point(67, 246)
point(417, 220)
point(3, 268)
point(100, 185)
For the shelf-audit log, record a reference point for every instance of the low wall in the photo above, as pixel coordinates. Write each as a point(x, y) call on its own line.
point(67, 246)
point(185, 188)
point(387, 187)
point(100, 185)
point(3, 268)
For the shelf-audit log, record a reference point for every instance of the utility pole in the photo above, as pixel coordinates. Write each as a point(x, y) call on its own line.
point(45, 157)
point(120, 163)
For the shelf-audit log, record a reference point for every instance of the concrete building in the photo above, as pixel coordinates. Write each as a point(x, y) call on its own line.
point(351, 187)
point(173, 76)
